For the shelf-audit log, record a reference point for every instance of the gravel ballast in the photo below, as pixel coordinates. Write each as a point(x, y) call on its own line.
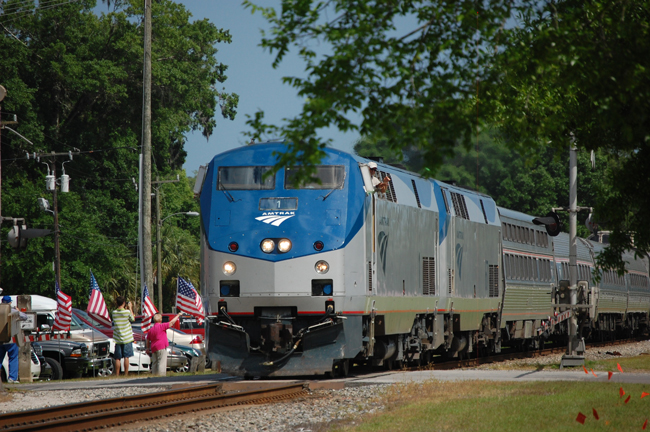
point(305, 414)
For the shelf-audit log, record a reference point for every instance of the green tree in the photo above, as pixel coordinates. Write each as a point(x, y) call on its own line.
point(74, 81)
point(428, 74)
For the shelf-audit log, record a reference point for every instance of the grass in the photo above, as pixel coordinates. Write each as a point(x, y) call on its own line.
point(629, 364)
point(505, 406)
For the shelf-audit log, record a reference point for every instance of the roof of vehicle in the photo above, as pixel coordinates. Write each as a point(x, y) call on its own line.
point(39, 303)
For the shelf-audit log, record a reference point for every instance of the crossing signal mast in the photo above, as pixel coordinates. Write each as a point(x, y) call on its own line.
point(574, 355)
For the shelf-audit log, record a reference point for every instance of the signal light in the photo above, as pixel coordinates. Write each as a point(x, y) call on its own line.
point(551, 222)
point(233, 247)
point(318, 245)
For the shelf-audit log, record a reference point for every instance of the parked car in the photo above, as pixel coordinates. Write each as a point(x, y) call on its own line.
point(176, 358)
point(138, 362)
point(98, 344)
point(46, 369)
point(67, 359)
point(189, 353)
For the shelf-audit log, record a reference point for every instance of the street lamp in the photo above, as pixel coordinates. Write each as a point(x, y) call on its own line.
point(159, 252)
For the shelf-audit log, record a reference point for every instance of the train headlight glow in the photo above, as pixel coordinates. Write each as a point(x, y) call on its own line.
point(284, 245)
point(267, 246)
point(229, 268)
point(322, 267)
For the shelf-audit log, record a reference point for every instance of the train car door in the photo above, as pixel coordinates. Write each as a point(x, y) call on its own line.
point(371, 228)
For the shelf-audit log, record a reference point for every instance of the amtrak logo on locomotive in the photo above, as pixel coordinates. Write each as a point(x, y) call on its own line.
point(275, 218)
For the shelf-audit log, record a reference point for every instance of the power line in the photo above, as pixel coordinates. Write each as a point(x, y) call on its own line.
point(35, 10)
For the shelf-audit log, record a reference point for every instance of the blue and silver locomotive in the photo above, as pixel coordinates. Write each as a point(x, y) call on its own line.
point(306, 279)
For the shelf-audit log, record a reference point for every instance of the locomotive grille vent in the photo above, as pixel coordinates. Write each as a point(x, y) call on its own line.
point(428, 276)
point(493, 281)
point(390, 190)
point(451, 281)
point(415, 190)
point(460, 208)
point(369, 276)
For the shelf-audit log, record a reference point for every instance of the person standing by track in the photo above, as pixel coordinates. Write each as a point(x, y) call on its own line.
point(123, 334)
point(157, 343)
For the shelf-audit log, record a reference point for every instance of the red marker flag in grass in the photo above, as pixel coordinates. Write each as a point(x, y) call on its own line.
point(618, 366)
point(621, 392)
point(609, 375)
point(644, 394)
point(586, 371)
point(645, 424)
point(594, 373)
point(595, 414)
point(581, 418)
point(628, 399)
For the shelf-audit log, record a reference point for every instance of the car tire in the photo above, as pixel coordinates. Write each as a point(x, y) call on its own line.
point(57, 370)
point(185, 367)
point(208, 362)
point(108, 370)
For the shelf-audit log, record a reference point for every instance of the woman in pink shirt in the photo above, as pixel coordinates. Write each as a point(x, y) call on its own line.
point(157, 343)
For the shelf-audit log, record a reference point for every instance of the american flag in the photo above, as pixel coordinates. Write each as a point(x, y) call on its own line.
point(188, 300)
point(96, 305)
point(148, 310)
point(63, 310)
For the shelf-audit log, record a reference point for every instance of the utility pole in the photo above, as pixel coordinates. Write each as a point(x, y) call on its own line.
point(3, 93)
point(159, 241)
point(146, 275)
point(50, 181)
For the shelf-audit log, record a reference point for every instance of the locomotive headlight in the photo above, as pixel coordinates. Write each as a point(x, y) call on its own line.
point(284, 245)
point(267, 245)
point(322, 267)
point(229, 268)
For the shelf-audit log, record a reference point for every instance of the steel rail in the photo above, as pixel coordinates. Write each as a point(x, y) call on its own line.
point(105, 413)
point(82, 408)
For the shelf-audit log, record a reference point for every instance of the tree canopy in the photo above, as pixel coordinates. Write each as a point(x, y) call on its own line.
point(430, 75)
point(74, 82)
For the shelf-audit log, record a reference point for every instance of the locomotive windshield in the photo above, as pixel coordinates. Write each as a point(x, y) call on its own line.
point(330, 176)
point(245, 178)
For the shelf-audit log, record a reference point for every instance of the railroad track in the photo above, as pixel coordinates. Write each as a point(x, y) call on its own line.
point(119, 411)
point(473, 362)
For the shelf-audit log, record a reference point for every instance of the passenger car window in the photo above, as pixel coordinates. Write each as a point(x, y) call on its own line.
point(245, 178)
point(330, 176)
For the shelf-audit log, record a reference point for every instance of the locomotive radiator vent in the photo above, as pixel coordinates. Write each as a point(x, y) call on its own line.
point(451, 280)
point(390, 190)
point(460, 208)
point(428, 276)
point(369, 276)
point(493, 281)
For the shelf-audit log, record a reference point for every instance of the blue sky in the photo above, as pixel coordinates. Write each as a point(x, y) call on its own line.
point(252, 77)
